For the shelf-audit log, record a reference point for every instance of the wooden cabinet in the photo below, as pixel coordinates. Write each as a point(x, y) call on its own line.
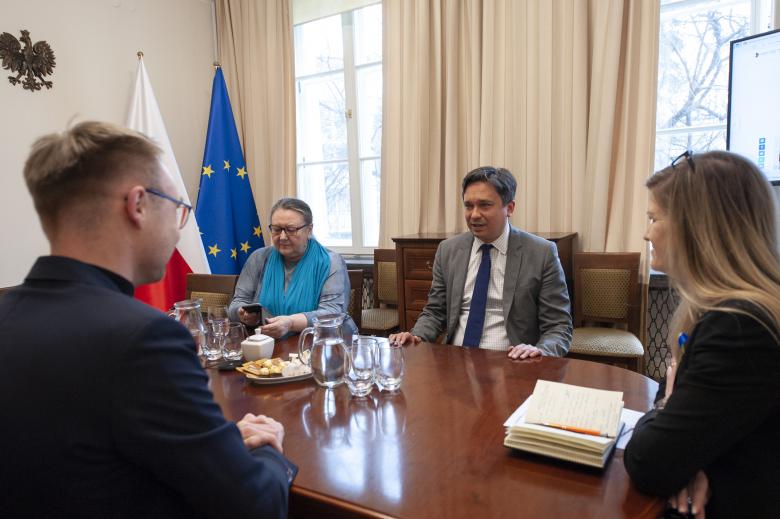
point(414, 261)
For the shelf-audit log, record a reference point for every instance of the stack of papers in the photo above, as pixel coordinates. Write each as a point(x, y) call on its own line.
point(572, 423)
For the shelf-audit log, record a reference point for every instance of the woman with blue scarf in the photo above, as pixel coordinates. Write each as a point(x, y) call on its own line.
point(294, 280)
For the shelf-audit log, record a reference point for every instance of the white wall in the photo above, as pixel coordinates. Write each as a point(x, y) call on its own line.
point(95, 44)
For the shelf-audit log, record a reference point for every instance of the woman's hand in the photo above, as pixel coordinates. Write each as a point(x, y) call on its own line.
point(249, 319)
point(695, 496)
point(278, 326)
point(671, 372)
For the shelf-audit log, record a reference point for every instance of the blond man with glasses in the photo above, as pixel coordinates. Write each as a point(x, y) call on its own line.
point(106, 409)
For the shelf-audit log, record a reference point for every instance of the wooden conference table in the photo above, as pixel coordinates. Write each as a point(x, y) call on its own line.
point(435, 448)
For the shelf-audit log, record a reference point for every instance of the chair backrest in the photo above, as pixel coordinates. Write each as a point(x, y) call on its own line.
point(355, 306)
point(385, 277)
point(606, 289)
point(213, 289)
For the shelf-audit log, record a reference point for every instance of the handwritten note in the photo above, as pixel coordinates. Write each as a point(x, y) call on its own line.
point(575, 406)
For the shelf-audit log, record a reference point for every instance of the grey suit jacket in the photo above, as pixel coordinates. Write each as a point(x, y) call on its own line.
point(536, 301)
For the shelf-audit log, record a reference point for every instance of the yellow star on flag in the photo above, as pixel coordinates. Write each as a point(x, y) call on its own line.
point(245, 246)
point(214, 250)
point(207, 170)
point(233, 253)
point(241, 173)
point(257, 231)
point(227, 164)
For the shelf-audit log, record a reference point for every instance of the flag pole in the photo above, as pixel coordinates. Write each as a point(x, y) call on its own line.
point(144, 116)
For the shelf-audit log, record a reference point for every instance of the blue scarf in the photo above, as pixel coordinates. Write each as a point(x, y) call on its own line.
point(308, 278)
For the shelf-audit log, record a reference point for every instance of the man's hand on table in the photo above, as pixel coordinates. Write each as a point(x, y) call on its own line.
point(259, 430)
point(524, 351)
point(404, 338)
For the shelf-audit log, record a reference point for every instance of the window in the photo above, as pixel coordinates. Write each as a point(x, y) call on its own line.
point(693, 70)
point(338, 76)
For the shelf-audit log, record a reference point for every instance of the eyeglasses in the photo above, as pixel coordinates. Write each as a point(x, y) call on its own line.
point(688, 156)
point(182, 208)
point(289, 231)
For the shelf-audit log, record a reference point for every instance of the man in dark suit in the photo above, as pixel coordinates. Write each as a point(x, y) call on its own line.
point(106, 410)
point(496, 287)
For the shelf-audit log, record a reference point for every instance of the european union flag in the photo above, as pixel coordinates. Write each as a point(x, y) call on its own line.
point(226, 212)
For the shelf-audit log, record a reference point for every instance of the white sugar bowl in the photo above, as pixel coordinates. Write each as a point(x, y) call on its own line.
point(258, 347)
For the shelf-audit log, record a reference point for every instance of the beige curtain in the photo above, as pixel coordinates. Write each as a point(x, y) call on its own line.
point(256, 51)
point(561, 92)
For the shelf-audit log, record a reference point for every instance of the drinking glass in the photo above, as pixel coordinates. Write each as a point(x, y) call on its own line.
point(360, 370)
point(231, 344)
point(219, 315)
point(210, 344)
point(217, 320)
point(389, 365)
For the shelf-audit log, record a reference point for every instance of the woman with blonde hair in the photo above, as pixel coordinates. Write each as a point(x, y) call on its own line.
point(710, 444)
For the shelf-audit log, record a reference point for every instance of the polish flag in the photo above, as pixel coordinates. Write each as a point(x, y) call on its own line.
point(144, 117)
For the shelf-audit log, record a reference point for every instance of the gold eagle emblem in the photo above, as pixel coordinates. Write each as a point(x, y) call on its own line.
point(34, 62)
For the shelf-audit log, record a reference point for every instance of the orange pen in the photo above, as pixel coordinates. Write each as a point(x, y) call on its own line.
point(571, 428)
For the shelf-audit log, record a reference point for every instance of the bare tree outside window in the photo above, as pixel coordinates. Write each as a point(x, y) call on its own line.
point(693, 74)
point(693, 65)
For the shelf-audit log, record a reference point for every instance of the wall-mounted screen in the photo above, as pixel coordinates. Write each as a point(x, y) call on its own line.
point(754, 101)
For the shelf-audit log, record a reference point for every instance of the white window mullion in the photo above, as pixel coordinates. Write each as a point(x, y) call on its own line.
point(350, 83)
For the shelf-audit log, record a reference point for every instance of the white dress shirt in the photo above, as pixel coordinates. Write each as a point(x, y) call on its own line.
point(494, 336)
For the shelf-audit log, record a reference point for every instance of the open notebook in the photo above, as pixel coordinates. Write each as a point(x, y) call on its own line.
point(572, 423)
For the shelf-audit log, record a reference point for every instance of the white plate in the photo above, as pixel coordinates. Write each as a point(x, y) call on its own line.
point(265, 381)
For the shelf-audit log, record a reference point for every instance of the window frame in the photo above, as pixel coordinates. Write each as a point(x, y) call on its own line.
point(354, 160)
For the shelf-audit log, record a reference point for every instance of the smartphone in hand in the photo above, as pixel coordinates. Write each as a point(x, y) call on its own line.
point(254, 308)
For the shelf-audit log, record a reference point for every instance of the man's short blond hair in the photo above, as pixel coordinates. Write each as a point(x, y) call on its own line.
point(82, 164)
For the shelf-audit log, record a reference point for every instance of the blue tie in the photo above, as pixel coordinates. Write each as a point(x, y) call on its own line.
point(476, 319)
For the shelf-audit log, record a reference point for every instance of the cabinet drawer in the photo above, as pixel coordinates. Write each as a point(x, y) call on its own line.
point(416, 293)
point(418, 263)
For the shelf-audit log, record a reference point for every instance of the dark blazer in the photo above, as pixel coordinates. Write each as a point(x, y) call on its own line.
point(536, 301)
point(106, 410)
point(723, 418)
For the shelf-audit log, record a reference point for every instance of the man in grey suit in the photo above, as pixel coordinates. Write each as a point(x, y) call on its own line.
point(496, 287)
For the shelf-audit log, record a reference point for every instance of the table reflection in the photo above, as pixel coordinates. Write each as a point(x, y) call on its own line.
point(326, 417)
point(362, 420)
point(358, 437)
